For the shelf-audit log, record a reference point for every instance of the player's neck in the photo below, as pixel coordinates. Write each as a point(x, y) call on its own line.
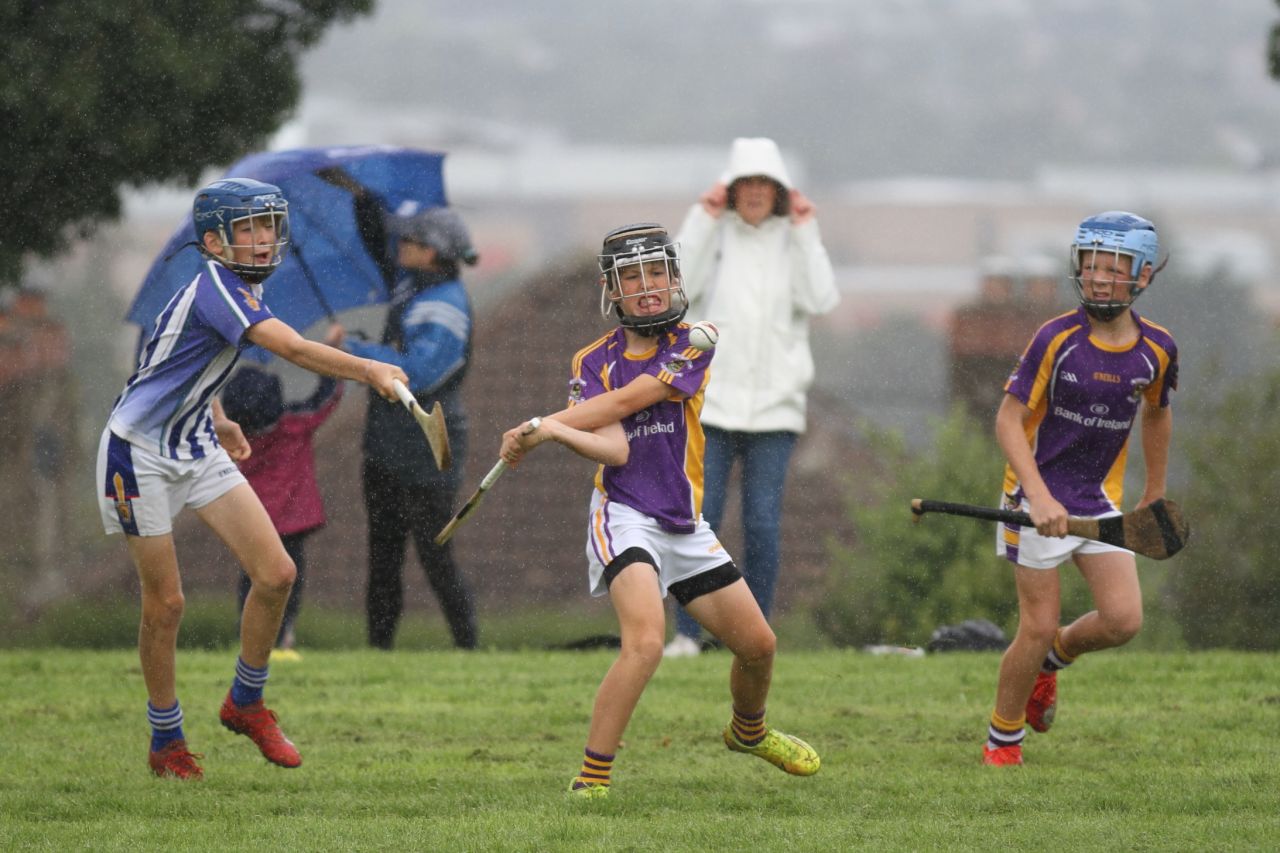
point(1117, 332)
point(637, 343)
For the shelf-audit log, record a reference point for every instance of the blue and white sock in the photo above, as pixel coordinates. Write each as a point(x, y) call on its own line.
point(249, 681)
point(166, 725)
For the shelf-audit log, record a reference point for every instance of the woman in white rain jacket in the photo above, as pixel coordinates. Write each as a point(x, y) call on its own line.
point(753, 264)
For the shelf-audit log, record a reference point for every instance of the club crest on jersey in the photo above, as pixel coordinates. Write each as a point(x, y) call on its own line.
point(576, 388)
point(677, 365)
point(1138, 387)
point(250, 299)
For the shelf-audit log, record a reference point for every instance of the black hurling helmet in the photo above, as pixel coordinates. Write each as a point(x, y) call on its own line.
point(641, 243)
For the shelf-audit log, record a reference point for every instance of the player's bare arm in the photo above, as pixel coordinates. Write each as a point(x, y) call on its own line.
point(600, 411)
point(1157, 433)
point(1049, 516)
point(281, 339)
point(612, 406)
point(230, 436)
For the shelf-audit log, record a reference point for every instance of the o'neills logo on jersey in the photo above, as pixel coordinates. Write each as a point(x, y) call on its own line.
point(1095, 421)
point(649, 429)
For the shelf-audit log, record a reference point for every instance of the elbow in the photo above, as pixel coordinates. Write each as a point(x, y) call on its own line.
point(619, 458)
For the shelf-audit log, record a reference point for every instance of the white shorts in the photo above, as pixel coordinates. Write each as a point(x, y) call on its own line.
point(615, 527)
point(139, 492)
point(1022, 545)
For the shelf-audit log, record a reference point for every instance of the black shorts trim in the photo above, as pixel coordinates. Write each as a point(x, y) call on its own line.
point(627, 558)
point(709, 581)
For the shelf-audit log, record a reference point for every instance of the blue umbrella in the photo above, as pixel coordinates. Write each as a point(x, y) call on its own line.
point(339, 258)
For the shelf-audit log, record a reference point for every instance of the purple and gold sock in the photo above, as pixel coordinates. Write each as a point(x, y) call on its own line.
point(749, 729)
point(595, 770)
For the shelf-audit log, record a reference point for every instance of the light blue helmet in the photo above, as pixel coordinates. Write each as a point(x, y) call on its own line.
point(1124, 234)
point(225, 201)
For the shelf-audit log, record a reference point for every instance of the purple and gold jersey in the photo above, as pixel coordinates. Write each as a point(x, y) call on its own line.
point(1084, 397)
point(196, 342)
point(663, 474)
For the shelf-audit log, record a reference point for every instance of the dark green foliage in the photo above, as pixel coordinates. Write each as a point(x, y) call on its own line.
point(902, 580)
point(1223, 587)
point(94, 96)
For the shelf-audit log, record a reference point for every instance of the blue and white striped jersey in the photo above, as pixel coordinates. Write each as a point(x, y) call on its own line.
point(196, 343)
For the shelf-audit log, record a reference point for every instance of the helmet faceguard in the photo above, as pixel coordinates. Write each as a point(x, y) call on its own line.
point(630, 251)
point(1126, 236)
point(224, 207)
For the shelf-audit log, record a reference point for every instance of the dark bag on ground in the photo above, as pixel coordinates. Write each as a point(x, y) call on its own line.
point(971, 635)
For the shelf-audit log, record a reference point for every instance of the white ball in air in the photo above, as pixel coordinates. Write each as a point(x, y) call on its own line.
point(703, 335)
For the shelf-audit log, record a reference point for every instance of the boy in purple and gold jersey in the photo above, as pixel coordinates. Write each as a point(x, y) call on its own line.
point(634, 401)
point(1064, 428)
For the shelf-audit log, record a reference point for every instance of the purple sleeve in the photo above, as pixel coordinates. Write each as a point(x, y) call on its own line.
point(680, 364)
point(228, 304)
point(1022, 382)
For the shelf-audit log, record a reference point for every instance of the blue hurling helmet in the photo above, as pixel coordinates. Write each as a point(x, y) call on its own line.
point(229, 200)
point(1123, 234)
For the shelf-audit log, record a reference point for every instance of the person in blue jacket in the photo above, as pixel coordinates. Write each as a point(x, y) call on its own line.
point(428, 334)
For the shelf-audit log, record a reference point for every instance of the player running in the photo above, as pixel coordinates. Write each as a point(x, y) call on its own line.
point(168, 445)
point(1064, 428)
point(634, 399)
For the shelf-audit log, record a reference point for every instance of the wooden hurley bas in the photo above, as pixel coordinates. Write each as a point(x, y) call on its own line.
point(1158, 530)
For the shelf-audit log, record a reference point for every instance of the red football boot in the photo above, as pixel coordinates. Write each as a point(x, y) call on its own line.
point(1043, 703)
point(1002, 756)
point(175, 760)
point(258, 723)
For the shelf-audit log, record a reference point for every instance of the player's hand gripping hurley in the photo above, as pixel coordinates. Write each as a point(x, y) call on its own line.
point(1157, 530)
point(485, 485)
point(432, 424)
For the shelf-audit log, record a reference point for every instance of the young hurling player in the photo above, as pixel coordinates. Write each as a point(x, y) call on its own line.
point(634, 399)
point(1064, 428)
point(168, 445)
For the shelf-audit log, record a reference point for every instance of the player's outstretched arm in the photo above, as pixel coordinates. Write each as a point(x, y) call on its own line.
point(606, 445)
point(280, 338)
point(612, 406)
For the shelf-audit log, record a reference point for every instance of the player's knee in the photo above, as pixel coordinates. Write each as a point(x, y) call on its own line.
point(1123, 627)
point(644, 651)
point(1037, 632)
point(276, 579)
point(163, 612)
point(758, 647)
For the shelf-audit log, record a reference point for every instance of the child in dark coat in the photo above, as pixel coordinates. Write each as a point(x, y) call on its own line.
point(282, 469)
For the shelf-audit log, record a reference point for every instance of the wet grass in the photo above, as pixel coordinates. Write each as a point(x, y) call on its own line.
point(449, 750)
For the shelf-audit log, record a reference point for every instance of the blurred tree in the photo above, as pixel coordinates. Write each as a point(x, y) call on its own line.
point(94, 96)
point(901, 581)
point(1223, 589)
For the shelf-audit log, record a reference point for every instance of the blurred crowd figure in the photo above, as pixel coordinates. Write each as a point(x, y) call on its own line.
point(753, 264)
point(282, 469)
point(427, 333)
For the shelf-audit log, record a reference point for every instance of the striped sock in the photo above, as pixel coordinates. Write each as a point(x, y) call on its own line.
point(1057, 658)
point(1002, 732)
point(166, 725)
point(249, 681)
point(749, 729)
point(595, 770)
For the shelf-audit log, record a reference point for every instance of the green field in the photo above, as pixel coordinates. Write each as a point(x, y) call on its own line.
point(456, 751)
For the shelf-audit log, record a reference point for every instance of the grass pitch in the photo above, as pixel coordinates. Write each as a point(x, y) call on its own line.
point(456, 751)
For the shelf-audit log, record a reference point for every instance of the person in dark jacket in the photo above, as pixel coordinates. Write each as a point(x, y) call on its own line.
point(428, 334)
